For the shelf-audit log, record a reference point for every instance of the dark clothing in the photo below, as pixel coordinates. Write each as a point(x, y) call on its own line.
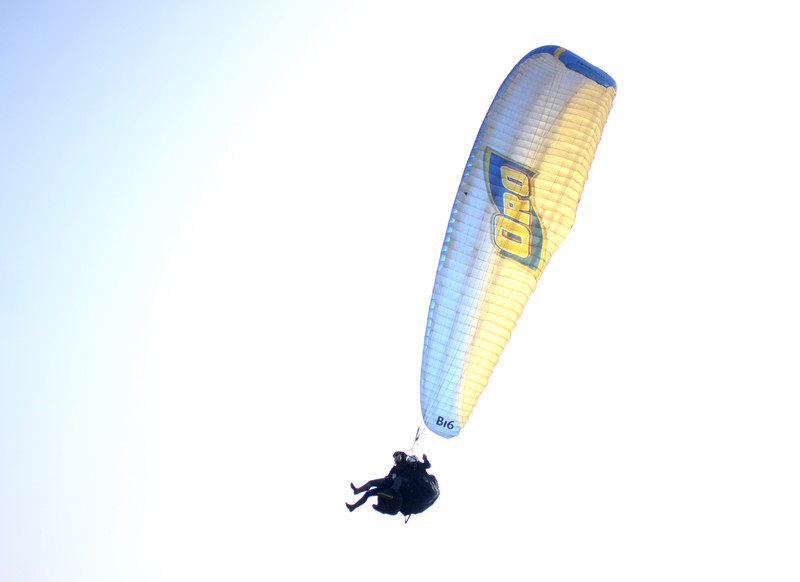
point(409, 466)
point(381, 484)
point(414, 494)
point(402, 469)
point(408, 488)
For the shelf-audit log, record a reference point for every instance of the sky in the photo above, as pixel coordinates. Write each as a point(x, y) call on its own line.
point(219, 229)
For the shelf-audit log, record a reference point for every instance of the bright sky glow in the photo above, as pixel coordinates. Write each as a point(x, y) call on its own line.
point(219, 228)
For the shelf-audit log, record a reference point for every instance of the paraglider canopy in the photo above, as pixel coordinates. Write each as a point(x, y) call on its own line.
point(515, 204)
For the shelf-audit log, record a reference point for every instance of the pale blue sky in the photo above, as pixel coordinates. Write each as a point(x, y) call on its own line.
point(198, 354)
point(113, 117)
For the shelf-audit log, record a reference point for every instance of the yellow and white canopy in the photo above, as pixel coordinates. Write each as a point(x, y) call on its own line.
point(515, 204)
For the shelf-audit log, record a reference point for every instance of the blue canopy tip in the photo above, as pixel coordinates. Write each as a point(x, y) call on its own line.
point(577, 64)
